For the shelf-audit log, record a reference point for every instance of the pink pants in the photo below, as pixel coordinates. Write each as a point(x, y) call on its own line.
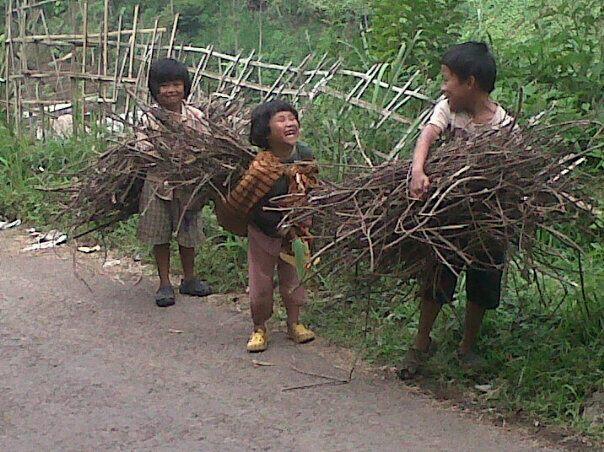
point(263, 257)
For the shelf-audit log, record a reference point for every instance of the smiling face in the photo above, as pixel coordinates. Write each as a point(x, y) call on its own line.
point(285, 129)
point(460, 93)
point(171, 94)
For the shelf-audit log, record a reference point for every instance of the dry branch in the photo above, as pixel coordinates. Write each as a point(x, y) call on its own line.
point(490, 193)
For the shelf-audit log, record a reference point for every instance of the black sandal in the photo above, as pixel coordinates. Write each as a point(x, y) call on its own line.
point(164, 297)
point(195, 288)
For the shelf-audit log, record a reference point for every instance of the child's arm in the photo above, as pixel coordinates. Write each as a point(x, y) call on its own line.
point(419, 181)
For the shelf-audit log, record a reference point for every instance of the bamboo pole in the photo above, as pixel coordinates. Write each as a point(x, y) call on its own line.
point(78, 38)
point(54, 60)
point(133, 41)
point(7, 60)
point(173, 35)
point(151, 53)
point(18, 82)
point(310, 77)
point(244, 75)
point(36, 5)
point(323, 73)
point(74, 80)
point(227, 73)
point(105, 35)
point(268, 94)
point(83, 82)
point(117, 59)
point(85, 43)
point(131, 51)
point(41, 117)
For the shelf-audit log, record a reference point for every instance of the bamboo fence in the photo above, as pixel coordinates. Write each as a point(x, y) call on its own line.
point(94, 66)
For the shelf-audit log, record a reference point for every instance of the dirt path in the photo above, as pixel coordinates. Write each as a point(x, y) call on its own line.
point(106, 369)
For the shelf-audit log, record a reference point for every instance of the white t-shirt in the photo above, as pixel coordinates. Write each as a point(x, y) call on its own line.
point(461, 123)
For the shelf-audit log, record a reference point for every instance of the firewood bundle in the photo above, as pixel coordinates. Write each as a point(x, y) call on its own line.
point(204, 163)
point(500, 190)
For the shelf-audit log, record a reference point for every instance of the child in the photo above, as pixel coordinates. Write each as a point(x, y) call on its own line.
point(469, 72)
point(161, 204)
point(276, 129)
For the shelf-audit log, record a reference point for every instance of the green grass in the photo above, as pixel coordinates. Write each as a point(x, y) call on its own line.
point(544, 359)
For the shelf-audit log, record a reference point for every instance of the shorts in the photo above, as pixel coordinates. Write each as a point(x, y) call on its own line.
point(159, 221)
point(483, 285)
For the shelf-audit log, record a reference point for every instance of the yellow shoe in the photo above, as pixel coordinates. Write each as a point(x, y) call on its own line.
point(300, 334)
point(258, 341)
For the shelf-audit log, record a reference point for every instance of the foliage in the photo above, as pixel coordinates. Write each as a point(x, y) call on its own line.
point(395, 22)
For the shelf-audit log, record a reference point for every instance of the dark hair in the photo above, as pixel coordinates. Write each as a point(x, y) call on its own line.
point(472, 59)
point(261, 117)
point(168, 70)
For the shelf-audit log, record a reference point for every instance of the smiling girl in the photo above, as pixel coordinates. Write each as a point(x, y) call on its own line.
point(275, 129)
point(162, 205)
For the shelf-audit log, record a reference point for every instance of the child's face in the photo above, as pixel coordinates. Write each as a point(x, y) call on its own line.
point(171, 94)
point(460, 93)
point(285, 128)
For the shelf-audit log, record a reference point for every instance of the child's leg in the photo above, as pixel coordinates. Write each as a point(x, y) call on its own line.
point(162, 258)
point(429, 309)
point(155, 228)
point(438, 289)
point(294, 294)
point(483, 289)
point(261, 267)
point(474, 315)
point(187, 257)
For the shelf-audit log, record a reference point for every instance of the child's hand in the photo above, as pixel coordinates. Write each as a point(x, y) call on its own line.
point(420, 184)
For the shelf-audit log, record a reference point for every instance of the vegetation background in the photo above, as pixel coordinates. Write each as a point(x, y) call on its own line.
point(545, 345)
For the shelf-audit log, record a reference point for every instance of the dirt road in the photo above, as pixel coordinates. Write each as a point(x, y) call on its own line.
point(107, 370)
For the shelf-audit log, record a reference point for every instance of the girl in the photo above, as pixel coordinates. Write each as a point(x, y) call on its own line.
point(282, 168)
point(160, 204)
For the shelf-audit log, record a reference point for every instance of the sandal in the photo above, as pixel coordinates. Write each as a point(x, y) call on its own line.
point(164, 297)
point(195, 288)
point(300, 334)
point(258, 341)
point(414, 360)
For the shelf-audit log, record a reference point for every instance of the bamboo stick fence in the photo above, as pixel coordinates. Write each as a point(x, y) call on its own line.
point(103, 62)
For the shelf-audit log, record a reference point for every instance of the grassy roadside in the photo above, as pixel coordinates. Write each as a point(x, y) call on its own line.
point(545, 359)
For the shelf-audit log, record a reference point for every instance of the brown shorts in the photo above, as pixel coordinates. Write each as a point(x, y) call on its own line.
point(159, 221)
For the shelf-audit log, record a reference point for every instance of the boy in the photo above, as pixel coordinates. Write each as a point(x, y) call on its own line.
point(469, 73)
point(161, 205)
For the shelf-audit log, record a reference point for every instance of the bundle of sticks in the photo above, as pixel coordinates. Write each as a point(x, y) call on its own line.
point(492, 192)
point(202, 161)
